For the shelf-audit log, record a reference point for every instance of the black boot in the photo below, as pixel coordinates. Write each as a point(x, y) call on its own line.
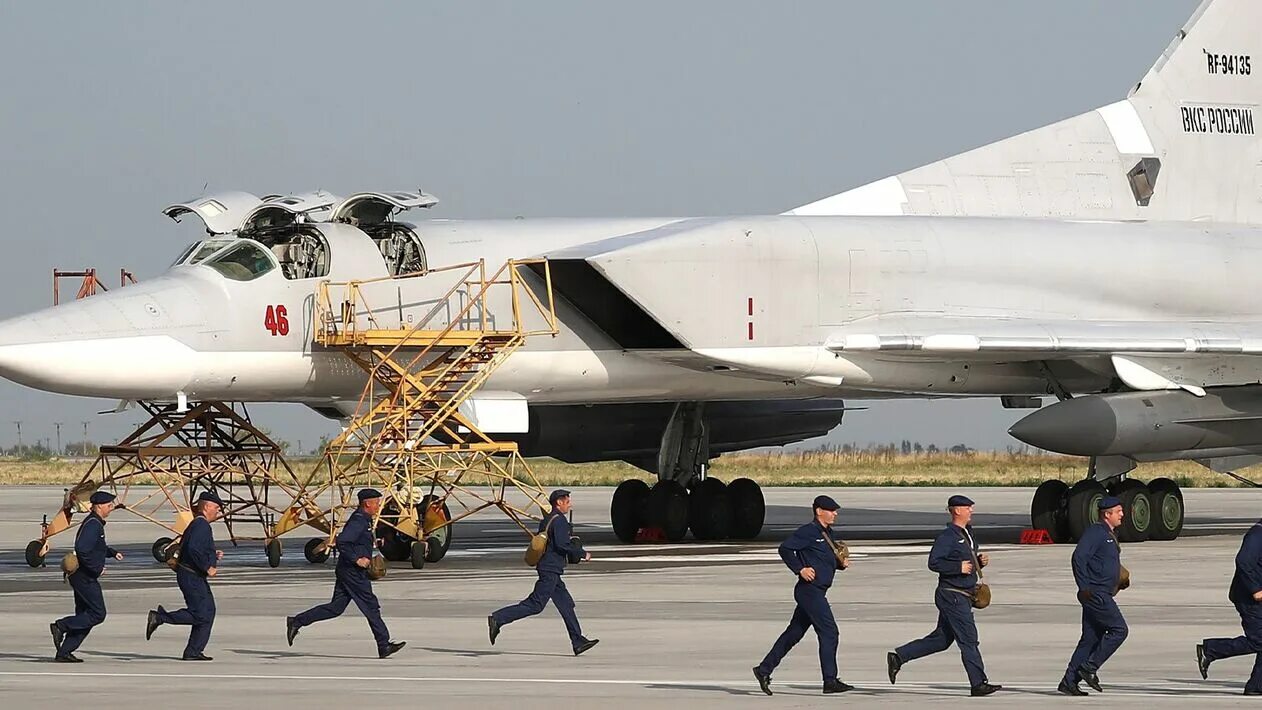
point(291, 629)
point(586, 645)
point(893, 664)
point(1089, 677)
point(984, 688)
point(764, 680)
point(1070, 689)
point(58, 636)
point(391, 649)
point(153, 622)
point(836, 686)
point(494, 627)
point(1202, 661)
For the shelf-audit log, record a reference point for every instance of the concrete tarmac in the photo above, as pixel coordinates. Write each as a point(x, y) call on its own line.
point(680, 625)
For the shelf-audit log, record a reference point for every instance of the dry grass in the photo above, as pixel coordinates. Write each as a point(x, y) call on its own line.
point(806, 468)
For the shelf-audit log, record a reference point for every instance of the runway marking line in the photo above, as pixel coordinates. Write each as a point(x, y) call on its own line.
point(945, 686)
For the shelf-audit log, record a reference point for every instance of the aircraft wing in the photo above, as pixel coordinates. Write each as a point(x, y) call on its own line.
point(1146, 355)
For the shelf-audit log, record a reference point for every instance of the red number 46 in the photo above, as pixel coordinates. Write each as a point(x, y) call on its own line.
point(276, 320)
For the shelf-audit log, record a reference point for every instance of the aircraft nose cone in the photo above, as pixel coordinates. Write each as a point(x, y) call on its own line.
point(94, 347)
point(1084, 426)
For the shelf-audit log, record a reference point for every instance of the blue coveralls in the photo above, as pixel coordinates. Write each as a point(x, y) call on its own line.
point(1244, 584)
point(89, 602)
point(953, 598)
point(351, 582)
point(1097, 565)
point(197, 556)
point(559, 552)
point(807, 547)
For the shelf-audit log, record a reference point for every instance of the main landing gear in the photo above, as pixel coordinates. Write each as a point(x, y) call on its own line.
point(1153, 511)
point(712, 510)
point(684, 498)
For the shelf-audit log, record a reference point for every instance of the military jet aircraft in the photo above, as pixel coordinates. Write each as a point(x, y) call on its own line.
point(1097, 260)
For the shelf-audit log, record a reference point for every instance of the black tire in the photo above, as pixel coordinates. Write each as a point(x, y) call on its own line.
point(748, 508)
point(273, 550)
point(434, 550)
point(1083, 507)
point(1047, 510)
point(443, 536)
point(1137, 509)
point(1168, 510)
point(668, 509)
point(395, 546)
point(417, 555)
point(710, 511)
point(35, 553)
point(159, 550)
point(626, 511)
point(312, 552)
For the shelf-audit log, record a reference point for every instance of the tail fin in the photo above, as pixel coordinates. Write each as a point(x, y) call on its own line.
point(1182, 146)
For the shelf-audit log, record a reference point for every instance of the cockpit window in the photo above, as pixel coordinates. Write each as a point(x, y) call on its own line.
point(184, 254)
point(203, 250)
point(244, 262)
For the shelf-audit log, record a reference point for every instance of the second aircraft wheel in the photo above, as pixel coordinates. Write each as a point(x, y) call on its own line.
point(1047, 510)
point(626, 511)
point(709, 511)
point(1168, 510)
point(1136, 510)
point(668, 509)
point(313, 553)
point(748, 508)
point(273, 553)
point(438, 538)
point(417, 555)
point(159, 549)
point(1082, 506)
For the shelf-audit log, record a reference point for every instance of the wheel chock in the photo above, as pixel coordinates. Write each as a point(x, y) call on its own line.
point(1036, 537)
point(650, 535)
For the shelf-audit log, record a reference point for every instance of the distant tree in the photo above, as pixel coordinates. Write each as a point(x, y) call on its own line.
point(906, 447)
point(918, 448)
point(933, 448)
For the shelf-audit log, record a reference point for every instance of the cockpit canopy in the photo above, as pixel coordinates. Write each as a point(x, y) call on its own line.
point(243, 261)
point(287, 226)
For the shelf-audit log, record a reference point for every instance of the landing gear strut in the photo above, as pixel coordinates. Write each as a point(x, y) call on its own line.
point(1152, 512)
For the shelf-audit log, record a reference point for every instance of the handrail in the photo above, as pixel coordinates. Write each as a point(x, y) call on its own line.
point(472, 283)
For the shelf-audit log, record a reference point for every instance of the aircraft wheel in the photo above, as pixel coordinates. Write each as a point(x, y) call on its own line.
point(1168, 510)
point(710, 511)
point(1137, 506)
point(626, 512)
point(313, 553)
point(1047, 510)
point(668, 509)
point(1082, 508)
point(273, 553)
point(434, 550)
point(417, 555)
point(439, 540)
point(159, 549)
point(35, 553)
point(748, 508)
point(393, 545)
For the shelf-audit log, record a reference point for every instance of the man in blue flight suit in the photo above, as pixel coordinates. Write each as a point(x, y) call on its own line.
point(1246, 594)
point(562, 549)
point(198, 563)
point(810, 554)
point(89, 603)
point(955, 557)
point(350, 579)
point(1097, 565)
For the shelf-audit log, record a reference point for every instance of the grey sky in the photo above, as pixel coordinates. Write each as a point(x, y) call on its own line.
point(110, 111)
